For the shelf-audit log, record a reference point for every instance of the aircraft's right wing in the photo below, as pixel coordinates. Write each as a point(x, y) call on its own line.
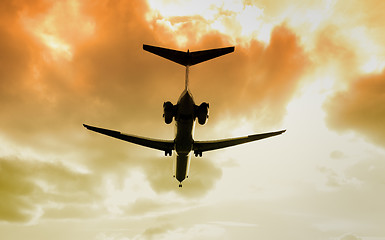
point(203, 146)
point(164, 145)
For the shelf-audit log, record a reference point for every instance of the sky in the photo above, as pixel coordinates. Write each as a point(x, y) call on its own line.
point(315, 68)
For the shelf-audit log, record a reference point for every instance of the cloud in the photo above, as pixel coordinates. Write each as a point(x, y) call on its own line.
point(16, 53)
point(155, 232)
point(197, 231)
point(333, 179)
point(109, 81)
point(202, 177)
point(370, 173)
point(350, 237)
point(100, 83)
point(257, 81)
point(29, 187)
point(355, 198)
point(371, 14)
point(74, 211)
point(336, 154)
point(143, 206)
point(360, 108)
point(334, 48)
point(46, 99)
point(15, 189)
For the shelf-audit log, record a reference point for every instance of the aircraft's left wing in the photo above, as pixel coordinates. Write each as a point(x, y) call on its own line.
point(203, 146)
point(164, 145)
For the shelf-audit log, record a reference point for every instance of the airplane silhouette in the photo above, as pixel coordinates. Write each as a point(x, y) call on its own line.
point(185, 112)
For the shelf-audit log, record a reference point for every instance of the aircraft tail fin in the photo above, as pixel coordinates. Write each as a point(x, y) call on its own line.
point(187, 58)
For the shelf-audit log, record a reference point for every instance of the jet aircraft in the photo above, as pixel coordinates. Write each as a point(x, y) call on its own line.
point(185, 113)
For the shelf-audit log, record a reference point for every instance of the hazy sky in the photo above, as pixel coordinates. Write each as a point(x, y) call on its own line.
point(315, 68)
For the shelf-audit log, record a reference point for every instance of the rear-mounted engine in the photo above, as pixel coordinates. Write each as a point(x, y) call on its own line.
point(202, 113)
point(168, 112)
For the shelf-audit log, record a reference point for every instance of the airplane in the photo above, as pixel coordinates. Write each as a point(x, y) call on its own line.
point(185, 113)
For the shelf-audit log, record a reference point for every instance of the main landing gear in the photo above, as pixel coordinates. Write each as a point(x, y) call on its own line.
point(198, 153)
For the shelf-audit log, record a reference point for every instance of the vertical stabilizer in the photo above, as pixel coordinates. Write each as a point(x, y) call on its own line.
point(187, 78)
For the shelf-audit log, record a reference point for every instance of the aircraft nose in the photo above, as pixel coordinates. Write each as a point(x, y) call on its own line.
point(180, 178)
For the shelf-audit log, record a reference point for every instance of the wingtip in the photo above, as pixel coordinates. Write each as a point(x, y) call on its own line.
point(86, 126)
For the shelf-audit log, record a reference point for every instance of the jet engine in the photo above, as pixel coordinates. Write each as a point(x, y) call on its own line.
point(168, 112)
point(202, 113)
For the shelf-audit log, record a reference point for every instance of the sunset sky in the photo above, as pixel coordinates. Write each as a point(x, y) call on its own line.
point(315, 68)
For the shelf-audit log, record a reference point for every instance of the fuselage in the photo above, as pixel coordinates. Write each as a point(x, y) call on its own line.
point(185, 111)
point(185, 124)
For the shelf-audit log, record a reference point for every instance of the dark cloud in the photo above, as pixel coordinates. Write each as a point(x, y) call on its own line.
point(360, 108)
point(15, 188)
point(27, 186)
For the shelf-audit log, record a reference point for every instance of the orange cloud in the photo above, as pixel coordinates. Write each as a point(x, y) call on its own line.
point(110, 81)
point(360, 108)
point(109, 75)
point(256, 80)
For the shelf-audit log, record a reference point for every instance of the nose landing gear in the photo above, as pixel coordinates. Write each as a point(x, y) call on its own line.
point(180, 184)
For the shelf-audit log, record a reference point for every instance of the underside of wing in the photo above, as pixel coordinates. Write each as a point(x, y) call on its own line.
point(164, 145)
point(203, 146)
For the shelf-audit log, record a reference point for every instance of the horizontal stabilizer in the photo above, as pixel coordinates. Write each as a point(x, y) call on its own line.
point(188, 58)
point(164, 145)
point(203, 146)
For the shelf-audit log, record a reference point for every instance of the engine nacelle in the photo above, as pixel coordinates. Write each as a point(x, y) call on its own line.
point(168, 112)
point(202, 113)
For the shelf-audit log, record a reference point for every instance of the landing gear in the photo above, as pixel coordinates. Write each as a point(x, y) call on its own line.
point(168, 152)
point(198, 153)
point(180, 184)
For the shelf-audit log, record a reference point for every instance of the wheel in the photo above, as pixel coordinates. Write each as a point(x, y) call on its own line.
point(180, 185)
